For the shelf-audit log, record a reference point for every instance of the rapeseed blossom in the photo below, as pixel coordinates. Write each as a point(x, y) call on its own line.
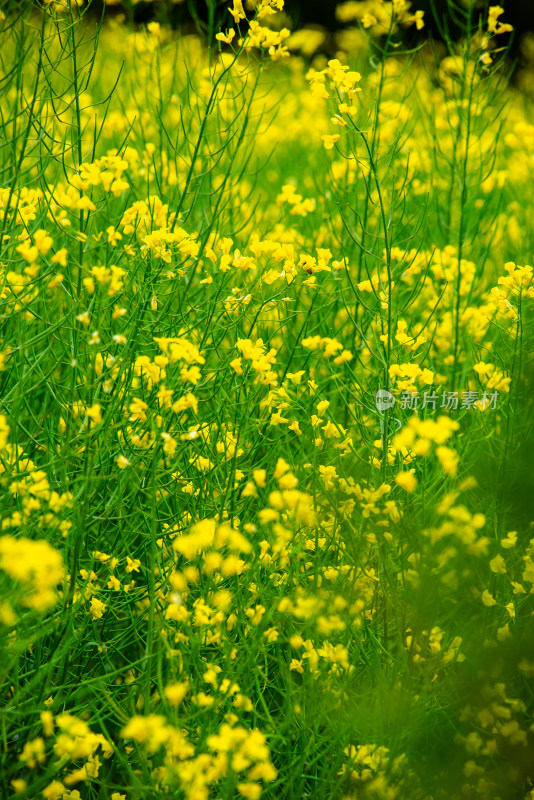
point(228, 567)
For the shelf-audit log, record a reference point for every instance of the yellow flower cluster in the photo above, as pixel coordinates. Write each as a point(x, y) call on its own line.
point(36, 566)
point(258, 36)
point(234, 748)
point(381, 17)
point(198, 304)
point(418, 436)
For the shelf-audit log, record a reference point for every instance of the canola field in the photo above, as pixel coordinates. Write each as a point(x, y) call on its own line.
point(266, 401)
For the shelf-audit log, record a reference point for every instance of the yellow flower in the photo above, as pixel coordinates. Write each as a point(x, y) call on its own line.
point(132, 564)
point(407, 481)
point(7, 615)
point(510, 541)
point(225, 37)
point(169, 444)
point(54, 791)
point(488, 599)
point(259, 476)
point(47, 721)
point(368, 20)
point(176, 692)
point(237, 11)
point(448, 459)
point(98, 608)
point(36, 565)
point(33, 752)
point(84, 318)
point(330, 140)
point(498, 564)
point(251, 791)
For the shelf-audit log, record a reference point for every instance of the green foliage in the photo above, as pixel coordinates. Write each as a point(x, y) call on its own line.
point(226, 569)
